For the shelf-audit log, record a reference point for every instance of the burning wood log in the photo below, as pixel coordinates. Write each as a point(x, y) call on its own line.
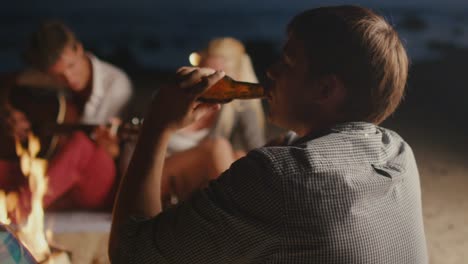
point(12, 250)
point(57, 256)
point(30, 237)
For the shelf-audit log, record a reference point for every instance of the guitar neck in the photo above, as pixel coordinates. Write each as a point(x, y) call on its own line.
point(70, 128)
point(88, 128)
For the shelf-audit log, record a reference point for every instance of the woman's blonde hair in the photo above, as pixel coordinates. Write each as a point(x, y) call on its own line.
point(238, 65)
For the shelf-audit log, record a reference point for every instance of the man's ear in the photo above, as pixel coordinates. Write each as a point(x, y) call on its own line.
point(330, 88)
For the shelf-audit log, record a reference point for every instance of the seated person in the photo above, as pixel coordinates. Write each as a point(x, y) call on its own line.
point(346, 190)
point(203, 150)
point(82, 172)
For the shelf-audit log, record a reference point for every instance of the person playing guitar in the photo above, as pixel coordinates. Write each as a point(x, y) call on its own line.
point(81, 172)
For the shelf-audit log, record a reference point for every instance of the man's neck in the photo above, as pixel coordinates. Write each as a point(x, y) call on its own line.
point(312, 127)
point(85, 93)
point(82, 96)
point(89, 72)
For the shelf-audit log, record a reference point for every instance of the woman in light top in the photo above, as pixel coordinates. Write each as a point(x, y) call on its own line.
point(203, 150)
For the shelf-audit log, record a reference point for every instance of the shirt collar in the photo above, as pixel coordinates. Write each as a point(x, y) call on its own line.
point(97, 88)
point(354, 127)
point(346, 127)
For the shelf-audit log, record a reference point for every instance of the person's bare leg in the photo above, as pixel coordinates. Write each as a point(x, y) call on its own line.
point(187, 171)
point(221, 154)
point(239, 154)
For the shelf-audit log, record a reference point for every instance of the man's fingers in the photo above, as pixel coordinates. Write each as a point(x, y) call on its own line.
point(114, 126)
point(195, 80)
point(214, 78)
point(206, 83)
point(188, 77)
point(184, 71)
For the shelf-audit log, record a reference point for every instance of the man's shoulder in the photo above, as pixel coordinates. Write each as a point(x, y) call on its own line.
point(109, 71)
point(335, 150)
point(260, 161)
point(287, 159)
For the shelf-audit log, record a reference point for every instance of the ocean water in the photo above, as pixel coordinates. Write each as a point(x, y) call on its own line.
point(163, 38)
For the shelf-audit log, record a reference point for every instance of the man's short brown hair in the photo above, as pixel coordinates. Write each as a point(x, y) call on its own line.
point(47, 44)
point(363, 50)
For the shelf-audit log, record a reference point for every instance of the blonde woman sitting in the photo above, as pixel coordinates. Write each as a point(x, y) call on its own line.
point(202, 151)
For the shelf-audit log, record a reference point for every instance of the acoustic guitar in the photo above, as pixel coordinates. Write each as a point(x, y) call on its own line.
point(53, 117)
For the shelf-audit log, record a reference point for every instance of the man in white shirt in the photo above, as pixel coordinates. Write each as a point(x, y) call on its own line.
point(111, 91)
point(103, 89)
point(82, 172)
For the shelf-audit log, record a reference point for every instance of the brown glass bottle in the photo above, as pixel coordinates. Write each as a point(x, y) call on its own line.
point(227, 89)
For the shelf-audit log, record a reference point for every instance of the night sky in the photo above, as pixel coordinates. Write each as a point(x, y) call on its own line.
point(155, 34)
point(18, 6)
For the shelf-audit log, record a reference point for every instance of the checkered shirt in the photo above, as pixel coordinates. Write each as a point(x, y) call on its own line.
point(350, 194)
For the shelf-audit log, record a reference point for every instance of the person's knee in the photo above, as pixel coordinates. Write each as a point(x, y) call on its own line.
point(219, 156)
point(239, 154)
point(214, 146)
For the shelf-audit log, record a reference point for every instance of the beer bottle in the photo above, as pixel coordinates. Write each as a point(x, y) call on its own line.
point(227, 89)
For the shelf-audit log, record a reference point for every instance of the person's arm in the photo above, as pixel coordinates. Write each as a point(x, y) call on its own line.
point(173, 108)
point(252, 124)
point(236, 219)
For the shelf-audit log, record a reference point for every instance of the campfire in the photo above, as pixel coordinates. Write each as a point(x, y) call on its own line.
point(31, 233)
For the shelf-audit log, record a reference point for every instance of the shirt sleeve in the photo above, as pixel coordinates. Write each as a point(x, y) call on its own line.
point(233, 220)
point(121, 93)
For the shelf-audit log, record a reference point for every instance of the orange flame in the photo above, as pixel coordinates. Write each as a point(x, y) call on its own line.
point(3, 208)
point(32, 233)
